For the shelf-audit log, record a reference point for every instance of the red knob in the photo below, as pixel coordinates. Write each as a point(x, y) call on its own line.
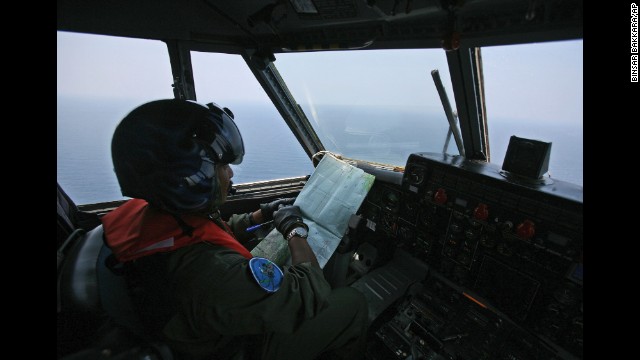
point(440, 197)
point(526, 229)
point(481, 212)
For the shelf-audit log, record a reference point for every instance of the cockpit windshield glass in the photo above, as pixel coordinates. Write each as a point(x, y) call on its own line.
point(271, 150)
point(100, 80)
point(372, 105)
point(534, 91)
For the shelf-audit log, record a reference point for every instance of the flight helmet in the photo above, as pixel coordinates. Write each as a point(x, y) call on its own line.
point(165, 152)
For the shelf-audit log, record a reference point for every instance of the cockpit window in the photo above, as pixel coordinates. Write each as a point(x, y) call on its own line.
point(372, 105)
point(99, 80)
point(535, 91)
point(271, 149)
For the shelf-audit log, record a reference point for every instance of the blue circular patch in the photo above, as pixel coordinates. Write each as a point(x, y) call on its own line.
point(267, 274)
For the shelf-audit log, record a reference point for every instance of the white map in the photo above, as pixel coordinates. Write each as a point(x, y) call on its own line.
point(333, 193)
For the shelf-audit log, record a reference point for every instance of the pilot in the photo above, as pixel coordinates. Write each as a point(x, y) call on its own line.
point(192, 281)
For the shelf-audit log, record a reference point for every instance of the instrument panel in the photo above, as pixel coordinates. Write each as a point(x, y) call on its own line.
point(512, 246)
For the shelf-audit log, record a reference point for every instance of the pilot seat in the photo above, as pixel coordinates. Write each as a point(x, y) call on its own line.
point(96, 318)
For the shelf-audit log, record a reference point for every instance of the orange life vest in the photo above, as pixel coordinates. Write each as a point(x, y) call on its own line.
point(136, 229)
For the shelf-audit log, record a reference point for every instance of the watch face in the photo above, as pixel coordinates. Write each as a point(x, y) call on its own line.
point(302, 232)
point(299, 231)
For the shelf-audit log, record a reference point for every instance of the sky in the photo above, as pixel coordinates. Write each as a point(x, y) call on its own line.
point(130, 68)
point(549, 74)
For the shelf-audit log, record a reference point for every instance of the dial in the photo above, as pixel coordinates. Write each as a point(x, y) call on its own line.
point(391, 201)
point(416, 175)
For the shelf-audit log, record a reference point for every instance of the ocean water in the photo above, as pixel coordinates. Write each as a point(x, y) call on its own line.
point(85, 127)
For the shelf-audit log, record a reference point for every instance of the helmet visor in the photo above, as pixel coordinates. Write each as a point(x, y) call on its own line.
point(227, 144)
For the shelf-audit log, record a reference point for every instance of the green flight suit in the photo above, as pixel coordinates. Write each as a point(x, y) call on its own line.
point(215, 296)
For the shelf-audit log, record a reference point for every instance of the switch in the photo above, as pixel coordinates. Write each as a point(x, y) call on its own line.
point(440, 197)
point(481, 212)
point(526, 229)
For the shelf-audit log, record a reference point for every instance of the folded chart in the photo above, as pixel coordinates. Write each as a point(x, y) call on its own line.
point(333, 193)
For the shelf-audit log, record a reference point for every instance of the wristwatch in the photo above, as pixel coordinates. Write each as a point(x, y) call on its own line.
point(299, 232)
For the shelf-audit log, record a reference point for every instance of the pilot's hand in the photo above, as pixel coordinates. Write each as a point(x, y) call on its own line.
point(286, 218)
point(269, 208)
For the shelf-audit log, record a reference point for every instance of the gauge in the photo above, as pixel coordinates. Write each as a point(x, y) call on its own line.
point(416, 175)
point(391, 201)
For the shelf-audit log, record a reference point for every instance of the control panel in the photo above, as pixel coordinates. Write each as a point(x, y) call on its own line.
point(501, 249)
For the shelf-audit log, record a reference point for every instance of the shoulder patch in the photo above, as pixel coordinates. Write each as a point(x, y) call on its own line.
point(267, 274)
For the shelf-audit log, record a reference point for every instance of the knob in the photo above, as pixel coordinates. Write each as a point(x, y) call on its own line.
point(464, 258)
point(526, 229)
point(553, 309)
point(487, 241)
point(440, 197)
point(470, 234)
point(506, 226)
point(481, 212)
point(567, 294)
point(429, 194)
point(504, 249)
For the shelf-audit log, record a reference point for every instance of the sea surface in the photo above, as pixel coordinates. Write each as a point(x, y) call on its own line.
point(85, 127)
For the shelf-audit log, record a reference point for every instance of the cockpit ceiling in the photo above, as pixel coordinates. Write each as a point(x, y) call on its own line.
point(285, 25)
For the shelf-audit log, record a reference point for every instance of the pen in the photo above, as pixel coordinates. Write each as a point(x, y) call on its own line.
point(256, 227)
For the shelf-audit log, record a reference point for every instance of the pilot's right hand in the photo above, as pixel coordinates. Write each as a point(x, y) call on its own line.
point(286, 218)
